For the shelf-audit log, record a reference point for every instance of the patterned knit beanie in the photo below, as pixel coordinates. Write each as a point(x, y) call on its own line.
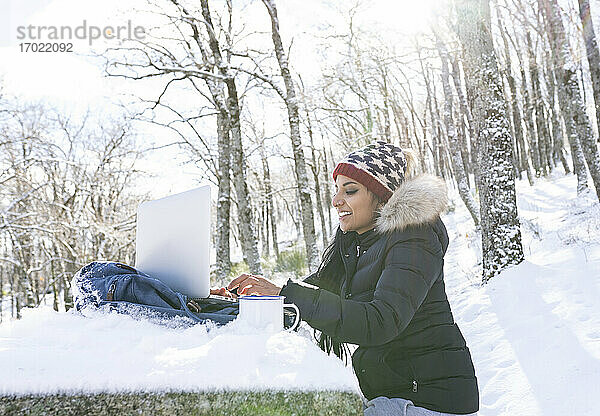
point(380, 167)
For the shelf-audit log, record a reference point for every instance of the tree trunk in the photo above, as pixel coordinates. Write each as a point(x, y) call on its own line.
point(315, 171)
point(466, 114)
point(223, 259)
point(593, 53)
point(429, 108)
point(455, 156)
point(54, 289)
point(528, 110)
point(387, 127)
point(568, 89)
point(264, 224)
point(269, 200)
point(501, 234)
point(558, 151)
point(538, 108)
point(423, 147)
point(2, 292)
point(516, 113)
point(574, 144)
point(438, 142)
point(327, 190)
point(291, 101)
point(248, 237)
point(462, 143)
point(505, 74)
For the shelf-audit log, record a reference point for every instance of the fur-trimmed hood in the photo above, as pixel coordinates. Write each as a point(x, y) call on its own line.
point(418, 200)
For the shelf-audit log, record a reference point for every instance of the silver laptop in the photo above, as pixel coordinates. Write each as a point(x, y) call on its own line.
point(172, 241)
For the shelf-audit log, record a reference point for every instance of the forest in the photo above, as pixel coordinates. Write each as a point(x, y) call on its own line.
point(487, 93)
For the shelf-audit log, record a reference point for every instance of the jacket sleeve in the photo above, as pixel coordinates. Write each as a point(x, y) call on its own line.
point(310, 279)
point(412, 264)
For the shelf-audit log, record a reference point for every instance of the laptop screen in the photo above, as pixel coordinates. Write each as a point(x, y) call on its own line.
point(172, 241)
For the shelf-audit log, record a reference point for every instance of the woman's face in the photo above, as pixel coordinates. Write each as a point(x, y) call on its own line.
point(355, 205)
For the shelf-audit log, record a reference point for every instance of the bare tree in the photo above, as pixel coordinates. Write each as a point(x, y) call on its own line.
point(513, 102)
point(501, 235)
point(455, 156)
point(195, 53)
point(66, 199)
point(291, 102)
point(593, 53)
point(223, 259)
point(315, 167)
point(577, 122)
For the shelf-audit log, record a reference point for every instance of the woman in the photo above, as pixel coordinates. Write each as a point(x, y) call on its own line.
point(381, 286)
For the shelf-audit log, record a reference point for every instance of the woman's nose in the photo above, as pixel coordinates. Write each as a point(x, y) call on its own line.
point(336, 202)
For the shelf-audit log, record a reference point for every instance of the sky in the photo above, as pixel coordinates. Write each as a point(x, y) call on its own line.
point(75, 82)
point(74, 79)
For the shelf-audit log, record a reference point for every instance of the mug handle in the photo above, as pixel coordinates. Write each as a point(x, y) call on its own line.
point(297, 321)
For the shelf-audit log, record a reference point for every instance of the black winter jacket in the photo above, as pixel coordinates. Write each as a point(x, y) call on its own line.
point(393, 305)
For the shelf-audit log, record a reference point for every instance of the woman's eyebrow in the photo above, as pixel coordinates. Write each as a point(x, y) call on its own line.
point(349, 183)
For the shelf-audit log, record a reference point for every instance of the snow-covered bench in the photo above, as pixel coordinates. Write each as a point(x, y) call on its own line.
point(53, 362)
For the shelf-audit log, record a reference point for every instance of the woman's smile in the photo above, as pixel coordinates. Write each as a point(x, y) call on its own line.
point(355, 205)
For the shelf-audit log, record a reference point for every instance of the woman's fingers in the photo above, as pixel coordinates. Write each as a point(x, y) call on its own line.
point(235, 282)
point(248, 284)
point(218, 291)
point(222, 292)
point(245, 290)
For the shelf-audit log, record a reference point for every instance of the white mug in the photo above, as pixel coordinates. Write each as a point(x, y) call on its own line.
point(265, 312)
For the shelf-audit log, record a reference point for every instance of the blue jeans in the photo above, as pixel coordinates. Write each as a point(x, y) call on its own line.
point(382, 406)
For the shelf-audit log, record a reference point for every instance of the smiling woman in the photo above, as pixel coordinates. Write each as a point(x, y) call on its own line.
point(380, 286)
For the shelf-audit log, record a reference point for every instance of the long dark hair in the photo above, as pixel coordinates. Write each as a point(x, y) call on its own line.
point(329, 276)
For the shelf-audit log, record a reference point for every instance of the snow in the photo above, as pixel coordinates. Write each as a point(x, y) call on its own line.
point(533, 330)
point(50, 352)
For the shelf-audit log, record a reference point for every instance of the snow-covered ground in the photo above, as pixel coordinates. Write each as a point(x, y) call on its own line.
point(533, 331)
point(55, 352)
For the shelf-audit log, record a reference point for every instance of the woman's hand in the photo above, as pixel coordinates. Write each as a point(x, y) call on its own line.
point(223, 292)
point(248, 284)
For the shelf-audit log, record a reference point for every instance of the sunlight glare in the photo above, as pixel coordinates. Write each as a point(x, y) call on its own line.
point(403, 16)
